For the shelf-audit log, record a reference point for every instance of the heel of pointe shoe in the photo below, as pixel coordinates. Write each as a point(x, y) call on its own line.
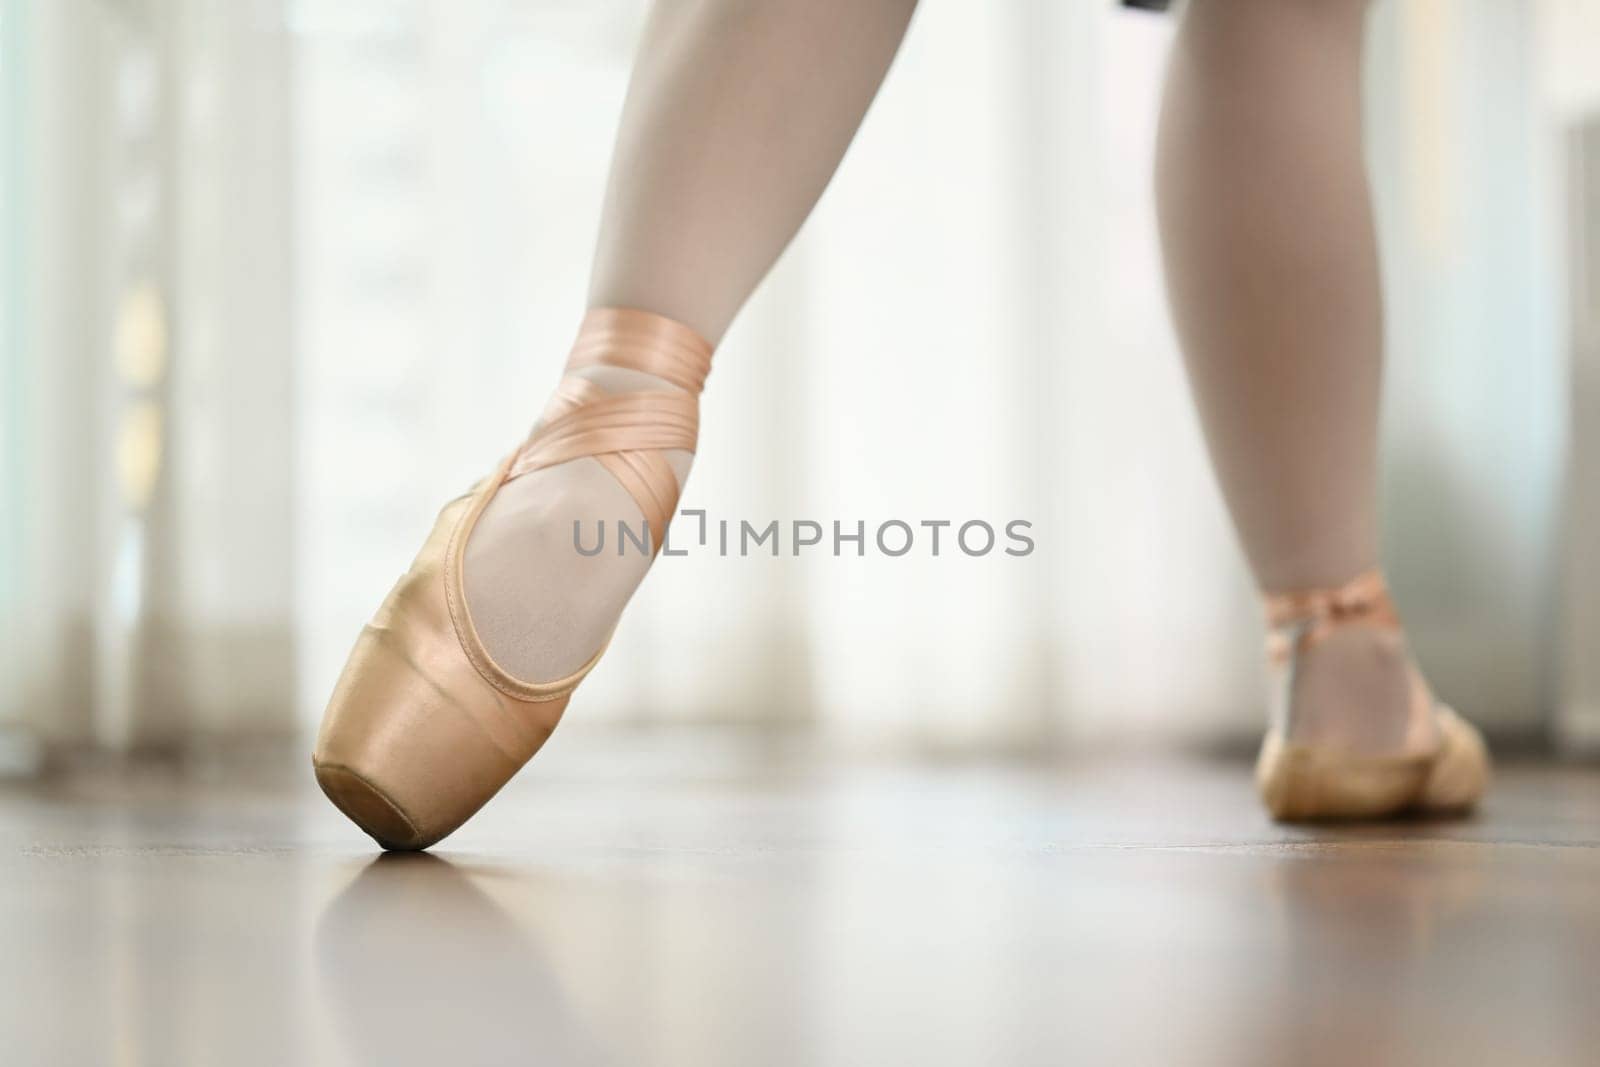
point(1300, 783)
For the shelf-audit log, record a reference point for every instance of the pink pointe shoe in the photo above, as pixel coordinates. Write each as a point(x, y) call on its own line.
point(1448, 773)
point(424, 726)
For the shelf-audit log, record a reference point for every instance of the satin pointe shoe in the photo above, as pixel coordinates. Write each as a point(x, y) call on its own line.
point(1445, 771)
point(424, 727)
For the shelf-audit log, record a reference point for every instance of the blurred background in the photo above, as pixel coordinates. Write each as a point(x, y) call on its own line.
point(282, 276)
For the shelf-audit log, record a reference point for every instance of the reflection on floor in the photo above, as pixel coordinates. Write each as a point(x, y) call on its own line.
point(652, 901)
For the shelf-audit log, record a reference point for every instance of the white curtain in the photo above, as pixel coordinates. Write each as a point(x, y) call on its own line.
point(146, 594)
point(1569, 81)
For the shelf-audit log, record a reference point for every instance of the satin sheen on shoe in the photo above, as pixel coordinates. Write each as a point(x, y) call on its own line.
point(1303, 782)
point(423, 726)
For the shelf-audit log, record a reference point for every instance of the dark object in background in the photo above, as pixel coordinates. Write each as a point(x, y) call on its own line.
point(1147, 5)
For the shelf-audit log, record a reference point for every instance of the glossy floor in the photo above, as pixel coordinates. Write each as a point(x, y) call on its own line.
point(714, 901)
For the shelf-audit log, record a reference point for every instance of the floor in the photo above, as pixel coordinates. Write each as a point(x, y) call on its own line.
point(708, 900)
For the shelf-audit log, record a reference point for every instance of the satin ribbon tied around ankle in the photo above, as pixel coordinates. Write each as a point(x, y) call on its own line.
point(626, 433)
point(1304, 618)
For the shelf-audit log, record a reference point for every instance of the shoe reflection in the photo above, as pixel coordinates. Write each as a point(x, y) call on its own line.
point(1379, 941)
point(420, 966)
point(1378, 900)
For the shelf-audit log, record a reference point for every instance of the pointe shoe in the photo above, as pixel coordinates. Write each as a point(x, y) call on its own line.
point(1447, 772)
point(424, 727)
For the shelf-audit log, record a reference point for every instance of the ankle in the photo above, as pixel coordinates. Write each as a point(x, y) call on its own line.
point(1345, 677)
point(1355, 691)
point(1333, 553)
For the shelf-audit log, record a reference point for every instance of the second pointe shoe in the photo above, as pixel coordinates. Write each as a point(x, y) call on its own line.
point(424, 726)
point(1448, 774)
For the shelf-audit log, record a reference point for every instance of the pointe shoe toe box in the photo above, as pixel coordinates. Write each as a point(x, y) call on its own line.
point(420, 732)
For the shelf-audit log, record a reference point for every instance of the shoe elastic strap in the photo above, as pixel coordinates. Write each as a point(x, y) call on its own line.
point(1300, 619)
point(626, 432)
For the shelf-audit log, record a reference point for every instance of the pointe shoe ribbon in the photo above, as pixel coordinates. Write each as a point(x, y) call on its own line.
point(424, 727)
point(1302, 619)
point(626, 432)
point(1299, 781)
